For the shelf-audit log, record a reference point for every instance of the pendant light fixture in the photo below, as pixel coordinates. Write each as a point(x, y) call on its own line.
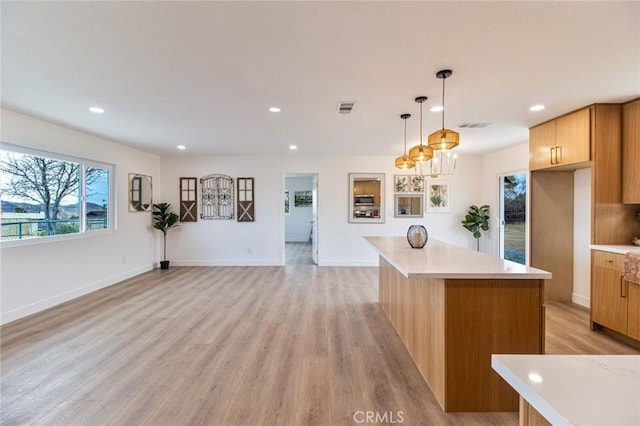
point(404, 162)
point(421, 153)
point(444, 138)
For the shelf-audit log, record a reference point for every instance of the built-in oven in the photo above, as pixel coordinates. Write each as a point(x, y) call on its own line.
point(363, 200)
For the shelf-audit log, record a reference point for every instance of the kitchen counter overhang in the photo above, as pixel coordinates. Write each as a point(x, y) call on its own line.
point(442, 260)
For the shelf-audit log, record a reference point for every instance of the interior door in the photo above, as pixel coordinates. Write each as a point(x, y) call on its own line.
point(314, 219)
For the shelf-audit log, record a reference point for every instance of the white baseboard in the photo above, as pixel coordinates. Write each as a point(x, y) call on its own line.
point(229, 262)
point(49, 302)
point(331, 262)
point(581, 300)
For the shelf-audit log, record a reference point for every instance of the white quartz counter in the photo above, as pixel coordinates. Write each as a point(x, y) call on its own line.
point(442, 260)
point(616, 249)
point(576, 389)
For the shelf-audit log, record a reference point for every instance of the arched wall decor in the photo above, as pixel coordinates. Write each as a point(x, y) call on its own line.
point(216, 197)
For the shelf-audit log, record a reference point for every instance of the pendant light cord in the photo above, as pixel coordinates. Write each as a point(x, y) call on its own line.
point(443, 102)
point(405, 136)
point(420, 123)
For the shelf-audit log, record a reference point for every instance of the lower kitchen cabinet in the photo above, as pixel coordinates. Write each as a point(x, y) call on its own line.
point(615, 302)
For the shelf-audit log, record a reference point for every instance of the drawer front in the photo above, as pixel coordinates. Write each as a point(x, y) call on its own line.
point(608, 260)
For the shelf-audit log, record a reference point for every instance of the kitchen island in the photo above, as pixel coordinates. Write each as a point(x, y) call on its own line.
point(453, 308)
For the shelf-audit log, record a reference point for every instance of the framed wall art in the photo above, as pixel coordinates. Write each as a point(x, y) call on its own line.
point(408, 183)
point(302, 198)
point(438, 195)
point(408, 205)
point(366, 197)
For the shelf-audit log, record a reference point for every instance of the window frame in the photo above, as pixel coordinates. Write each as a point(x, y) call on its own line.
point(84, 163)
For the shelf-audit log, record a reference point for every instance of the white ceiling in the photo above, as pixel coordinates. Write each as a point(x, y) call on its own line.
point(203, 74)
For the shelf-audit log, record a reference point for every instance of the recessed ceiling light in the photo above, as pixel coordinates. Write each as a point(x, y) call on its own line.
point(181, 147)
point(96, 110)
point(436, 108)
point(275, 109)
point(536, 108)
point(293, 147)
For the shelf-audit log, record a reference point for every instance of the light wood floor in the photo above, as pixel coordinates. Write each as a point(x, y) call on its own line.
point(294, 345)
point(298, 253)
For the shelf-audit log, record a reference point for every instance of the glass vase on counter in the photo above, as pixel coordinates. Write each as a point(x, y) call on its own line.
point(417, 236)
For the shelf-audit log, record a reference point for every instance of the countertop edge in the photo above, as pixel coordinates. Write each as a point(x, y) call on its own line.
point(612, 248)
point(534, 399)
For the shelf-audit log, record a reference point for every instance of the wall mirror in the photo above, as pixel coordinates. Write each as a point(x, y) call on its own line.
point(140, 193)
point(408, 205)
point(366, 197)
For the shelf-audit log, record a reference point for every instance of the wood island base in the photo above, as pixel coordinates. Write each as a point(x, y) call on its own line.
point(452, 326)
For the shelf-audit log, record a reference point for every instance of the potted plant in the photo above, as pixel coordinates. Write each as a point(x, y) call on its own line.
point(475, 221)
point(163, 220)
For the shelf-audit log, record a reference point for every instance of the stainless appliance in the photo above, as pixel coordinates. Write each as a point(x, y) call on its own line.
point(363, 200)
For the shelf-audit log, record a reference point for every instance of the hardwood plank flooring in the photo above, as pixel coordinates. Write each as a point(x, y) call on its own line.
point(293, 345)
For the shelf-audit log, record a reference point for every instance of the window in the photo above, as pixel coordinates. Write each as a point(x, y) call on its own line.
point(48, 195)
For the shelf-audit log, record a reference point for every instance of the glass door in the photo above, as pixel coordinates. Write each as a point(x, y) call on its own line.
point(513, 217)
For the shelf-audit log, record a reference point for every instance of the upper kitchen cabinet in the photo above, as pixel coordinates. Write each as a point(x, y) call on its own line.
point(562, 142)
point(631, 152)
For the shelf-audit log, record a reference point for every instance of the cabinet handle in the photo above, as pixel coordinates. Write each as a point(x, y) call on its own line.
point(558, 151)
point(552, 152)
point(623, 293)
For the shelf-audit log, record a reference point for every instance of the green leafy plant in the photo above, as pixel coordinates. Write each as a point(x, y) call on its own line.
point(163, 220)
point(477, 220)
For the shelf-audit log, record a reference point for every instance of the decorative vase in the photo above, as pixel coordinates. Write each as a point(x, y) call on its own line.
point(417, 236)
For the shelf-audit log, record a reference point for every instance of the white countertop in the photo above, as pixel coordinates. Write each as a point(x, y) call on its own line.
point(576, 389)
point(442, 260)
point(615, 249)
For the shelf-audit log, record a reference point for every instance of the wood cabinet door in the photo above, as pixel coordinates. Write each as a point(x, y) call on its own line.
point(631, 152)
point(608, 307)
point(633, 326)
point(541, 140)
point(573, 137)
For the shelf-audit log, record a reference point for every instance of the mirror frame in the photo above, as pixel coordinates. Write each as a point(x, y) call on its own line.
point(143, 207)
point(396, 209)
point(353, 177)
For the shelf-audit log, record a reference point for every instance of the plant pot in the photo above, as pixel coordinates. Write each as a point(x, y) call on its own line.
point(164, 264)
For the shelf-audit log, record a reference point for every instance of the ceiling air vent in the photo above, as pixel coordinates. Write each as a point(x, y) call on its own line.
point(345, 107)
point(472, 125)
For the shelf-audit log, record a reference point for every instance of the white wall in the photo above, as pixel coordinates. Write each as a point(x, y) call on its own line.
point(261, 242)
point(43, 274)
point(582, 237)
point(514, 159)
point(298, 223)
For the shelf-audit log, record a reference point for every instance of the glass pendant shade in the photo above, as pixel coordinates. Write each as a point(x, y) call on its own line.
point(444, 139)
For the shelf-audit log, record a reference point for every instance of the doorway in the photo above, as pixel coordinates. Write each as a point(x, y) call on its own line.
point(513, 217)
point(301, 218)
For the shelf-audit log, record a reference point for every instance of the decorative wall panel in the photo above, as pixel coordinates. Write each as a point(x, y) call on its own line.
point(246, 188)
point(216, 197)
point(188, 199)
